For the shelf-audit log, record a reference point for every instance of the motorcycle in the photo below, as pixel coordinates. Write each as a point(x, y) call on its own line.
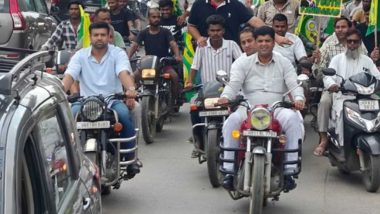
point(313, 91)
point(207, 134)
point(157, 101)
point(259, 158)
point(354, 139)
point(99, 130)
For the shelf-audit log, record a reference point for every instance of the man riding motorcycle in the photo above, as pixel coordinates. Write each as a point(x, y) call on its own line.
point(157, 41)
point(104, 69)
point(263, 78)
point(346, 64)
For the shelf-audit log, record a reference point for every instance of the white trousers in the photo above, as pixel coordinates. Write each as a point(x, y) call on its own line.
point(291, 122)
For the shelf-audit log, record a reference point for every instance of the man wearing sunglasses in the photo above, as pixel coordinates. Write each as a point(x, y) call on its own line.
point(346, 64)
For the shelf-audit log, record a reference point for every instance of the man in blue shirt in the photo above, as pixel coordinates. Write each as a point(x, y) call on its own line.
point(104, 69)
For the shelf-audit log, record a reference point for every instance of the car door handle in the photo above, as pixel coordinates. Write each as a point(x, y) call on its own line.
point(86, 203)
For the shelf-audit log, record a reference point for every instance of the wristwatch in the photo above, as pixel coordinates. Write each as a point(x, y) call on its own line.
point(132, 88)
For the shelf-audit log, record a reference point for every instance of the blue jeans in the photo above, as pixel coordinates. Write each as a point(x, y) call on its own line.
point(124, 117)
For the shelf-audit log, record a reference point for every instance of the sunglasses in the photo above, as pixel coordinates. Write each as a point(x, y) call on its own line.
point(353, 41)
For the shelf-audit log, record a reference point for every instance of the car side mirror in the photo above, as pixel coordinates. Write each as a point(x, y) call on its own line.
point(328, 71)
point(62, 59)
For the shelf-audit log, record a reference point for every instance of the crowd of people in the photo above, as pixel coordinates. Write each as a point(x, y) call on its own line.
point(256, 46)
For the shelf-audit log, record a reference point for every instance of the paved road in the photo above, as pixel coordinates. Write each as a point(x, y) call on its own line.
point(173, 183)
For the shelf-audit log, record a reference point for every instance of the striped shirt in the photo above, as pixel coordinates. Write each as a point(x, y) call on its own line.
point(63, 37)
point(329, 49)
point(208, 61)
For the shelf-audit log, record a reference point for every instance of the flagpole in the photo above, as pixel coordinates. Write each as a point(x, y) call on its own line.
point(375, 35)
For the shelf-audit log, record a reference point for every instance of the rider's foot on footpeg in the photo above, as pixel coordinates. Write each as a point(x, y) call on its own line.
point(289, 183)
point(228, 182)
point(133, 169)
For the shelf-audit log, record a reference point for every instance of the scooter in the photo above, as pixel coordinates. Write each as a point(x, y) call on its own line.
point(354, 138)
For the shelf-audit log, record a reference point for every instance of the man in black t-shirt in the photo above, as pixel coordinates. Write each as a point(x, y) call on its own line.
point(169, 20)
point(123, 4)
point(157, 41)
point(121, 20)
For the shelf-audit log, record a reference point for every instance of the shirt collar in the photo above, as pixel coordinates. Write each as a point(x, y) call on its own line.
point(285, 5)
point(257, 61)
point(224, 44)
point(89, 55)
point(335, 40)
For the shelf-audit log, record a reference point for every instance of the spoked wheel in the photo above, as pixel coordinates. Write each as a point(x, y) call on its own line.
point(148, 121)
point(257, 188)
point(371, 175)
point(213, 163)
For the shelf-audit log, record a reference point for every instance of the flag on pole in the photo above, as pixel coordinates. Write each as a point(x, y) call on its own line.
point(373, 18)
point(188, 55)
point(177, 8)
point(257, 3)
point(307, 28)
point(103, 3)
point(84, 30)
point(330, 26)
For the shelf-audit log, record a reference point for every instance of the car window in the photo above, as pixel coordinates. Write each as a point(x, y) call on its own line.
point(57, 164)
point(26, 5)
point(41, 6)
point(2, 6)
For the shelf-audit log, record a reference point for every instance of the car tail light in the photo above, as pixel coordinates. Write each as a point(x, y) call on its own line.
point(18, 19)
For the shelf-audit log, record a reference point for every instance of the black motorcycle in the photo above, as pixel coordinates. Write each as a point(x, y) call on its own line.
point(99, 130)
point(358, 147)
point(207, 132)
point(157, 101)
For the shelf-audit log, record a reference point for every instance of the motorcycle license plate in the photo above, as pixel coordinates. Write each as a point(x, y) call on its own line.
point(148, 82)
point(94, 125)
point(213, 113)
point(368, 105)
point(253, 133)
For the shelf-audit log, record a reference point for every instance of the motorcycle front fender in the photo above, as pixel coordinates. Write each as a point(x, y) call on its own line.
point(259, 150)
point(91, 145)
point(369, 143)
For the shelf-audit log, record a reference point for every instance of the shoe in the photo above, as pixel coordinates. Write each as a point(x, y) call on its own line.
point(133, 169)
point(289, 183)
point(195, 153)
point(228, 182)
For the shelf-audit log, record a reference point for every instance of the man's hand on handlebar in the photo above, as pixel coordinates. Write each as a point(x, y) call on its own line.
point(178, 58)
point(223, 101)
point(333, 88)
point(299, 104)
point(188, 84)
point(130, 100)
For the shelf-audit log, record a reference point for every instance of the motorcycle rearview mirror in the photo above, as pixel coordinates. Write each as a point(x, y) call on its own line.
point(328, 71)
point(63, 57)
point(222, 77)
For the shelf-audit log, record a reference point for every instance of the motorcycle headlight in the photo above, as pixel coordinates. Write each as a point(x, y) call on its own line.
point(365, 90)
point(92, 109)
point(148, 73)
point(369, 125)
point(260, 118)
point(209, 103)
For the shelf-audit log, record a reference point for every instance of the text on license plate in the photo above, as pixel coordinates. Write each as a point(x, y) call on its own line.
point(368, 105)
point(253, 133)
point(94, 125)
point(148, 82)
point(213, 113)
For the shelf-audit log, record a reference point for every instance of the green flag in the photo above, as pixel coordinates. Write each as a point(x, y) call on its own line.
point(373, 18)
point(177, 8)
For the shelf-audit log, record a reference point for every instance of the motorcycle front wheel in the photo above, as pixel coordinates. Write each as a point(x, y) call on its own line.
point(213, 163)
point(257, 185)
point(371, 175)
point(148, 120)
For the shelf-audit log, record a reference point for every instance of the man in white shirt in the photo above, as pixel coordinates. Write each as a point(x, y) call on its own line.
point(263, 78)
point(346, 64)
point(293, 52)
